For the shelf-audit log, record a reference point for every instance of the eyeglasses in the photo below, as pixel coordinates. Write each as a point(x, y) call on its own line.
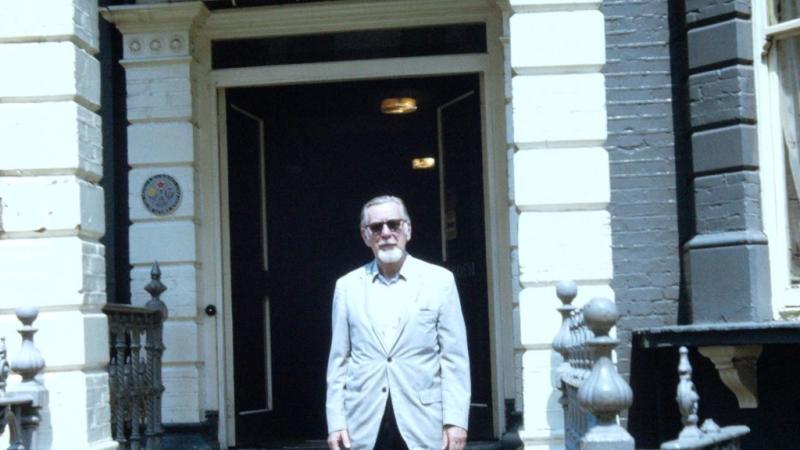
point(377, 227)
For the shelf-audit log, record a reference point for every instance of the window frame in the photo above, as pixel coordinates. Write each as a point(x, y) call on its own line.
point(772, 157)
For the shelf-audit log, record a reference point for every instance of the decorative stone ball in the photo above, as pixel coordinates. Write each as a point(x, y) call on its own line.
point(566, 291)
point(600, 315)
point(27, 314)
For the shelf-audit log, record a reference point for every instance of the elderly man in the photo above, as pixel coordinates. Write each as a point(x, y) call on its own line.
point(398, 371)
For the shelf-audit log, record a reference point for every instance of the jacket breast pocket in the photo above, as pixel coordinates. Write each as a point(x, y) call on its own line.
point(427, 316)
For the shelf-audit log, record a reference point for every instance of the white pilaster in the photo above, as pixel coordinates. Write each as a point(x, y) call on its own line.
point(161, 69)
point(561, 185)
point(52, 212)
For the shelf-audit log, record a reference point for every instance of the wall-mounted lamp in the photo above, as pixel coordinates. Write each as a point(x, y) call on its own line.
point(423, 163)
point(398, 105)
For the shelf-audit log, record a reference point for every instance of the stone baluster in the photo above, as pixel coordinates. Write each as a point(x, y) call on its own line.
point(709, 436)
point(154, 347)
point(687, 398)
point(604, 392)
point(28, 364)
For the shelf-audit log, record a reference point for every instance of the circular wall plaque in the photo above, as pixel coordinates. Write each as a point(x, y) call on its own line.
point(161, 194)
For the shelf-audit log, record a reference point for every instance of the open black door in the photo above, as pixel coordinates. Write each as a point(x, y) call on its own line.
point(301, 162)
point(250, 275)
point(464, 241)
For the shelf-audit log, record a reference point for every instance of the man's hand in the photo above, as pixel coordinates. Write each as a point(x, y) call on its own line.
point(453, 438)
point(336, 437)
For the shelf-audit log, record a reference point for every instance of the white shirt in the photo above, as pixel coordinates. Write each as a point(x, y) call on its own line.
point(386, 301)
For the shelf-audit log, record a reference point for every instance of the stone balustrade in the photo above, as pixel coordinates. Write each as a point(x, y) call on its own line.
point(20, 403)
point(594, 394)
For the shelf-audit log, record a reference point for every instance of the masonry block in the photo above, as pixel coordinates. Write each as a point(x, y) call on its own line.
point(72, 141)
point(722, 149)
point(78, 402)
point(697, 10)
point(559, 108)
point(550, 5)
point(559, 39)
point(164, 241)
point(161, 143)
point(181, 400)
point(42, 205)
point(50, 272)
point(561, 177)
point(717, 43)
point(543, 413)
point(136, 180)
point(730, 284)
point(722, 95)
point(71, 73)
point(86, 344)
point(728, 202)
point(181, 294)
point(159, 92)
point(555, 246)
point(180, 340)
point(35, 21)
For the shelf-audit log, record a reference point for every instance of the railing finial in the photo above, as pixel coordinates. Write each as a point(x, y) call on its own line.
point(29, 361)
point(566, 292)
point(604, 393)
point(155, 288)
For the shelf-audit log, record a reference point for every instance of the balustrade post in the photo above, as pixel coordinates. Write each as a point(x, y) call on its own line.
point(708, 437)
point(154, 348)
point(566, 292)
point(28, 364)
point(604, 392)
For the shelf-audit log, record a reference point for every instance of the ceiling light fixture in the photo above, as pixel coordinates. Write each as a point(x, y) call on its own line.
point(398, 105)
point(423, 163)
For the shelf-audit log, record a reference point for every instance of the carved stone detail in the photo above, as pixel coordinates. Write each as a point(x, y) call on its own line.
point(737, 367)
point(144, 46)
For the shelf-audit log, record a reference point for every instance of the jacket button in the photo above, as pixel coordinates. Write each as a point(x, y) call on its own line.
point(389, 359)
point(383, 389)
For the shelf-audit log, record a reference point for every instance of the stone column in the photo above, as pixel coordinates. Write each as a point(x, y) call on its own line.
point(728, 264)
point(161, 69)
point(560, 185)
point(51, 209)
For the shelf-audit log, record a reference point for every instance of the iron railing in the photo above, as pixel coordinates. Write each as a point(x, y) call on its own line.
point(134, 369)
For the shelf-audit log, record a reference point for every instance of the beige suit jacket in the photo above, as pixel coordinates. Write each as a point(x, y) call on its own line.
point(426, 369)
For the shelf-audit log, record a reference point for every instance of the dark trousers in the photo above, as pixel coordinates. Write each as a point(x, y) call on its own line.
point(388, 435)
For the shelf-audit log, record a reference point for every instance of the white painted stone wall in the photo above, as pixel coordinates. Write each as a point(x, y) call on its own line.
point(51, 210)
point(162, 139)
point(560, 185)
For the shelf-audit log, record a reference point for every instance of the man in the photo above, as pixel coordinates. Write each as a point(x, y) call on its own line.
point(398, 371)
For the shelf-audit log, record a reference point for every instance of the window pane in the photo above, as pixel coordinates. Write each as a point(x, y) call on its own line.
point(783, 10)
point(789, 69)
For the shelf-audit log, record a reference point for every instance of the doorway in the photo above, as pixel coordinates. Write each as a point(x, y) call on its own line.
point(301, 160)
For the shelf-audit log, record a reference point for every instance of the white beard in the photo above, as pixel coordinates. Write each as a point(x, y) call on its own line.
point(390, 256)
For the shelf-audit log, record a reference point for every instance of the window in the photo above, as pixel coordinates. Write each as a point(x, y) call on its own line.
point(777, 75)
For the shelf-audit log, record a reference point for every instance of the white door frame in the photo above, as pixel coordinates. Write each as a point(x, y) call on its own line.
point(339, 16)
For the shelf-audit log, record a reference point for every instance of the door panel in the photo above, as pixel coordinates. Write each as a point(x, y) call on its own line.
point(463, 240)
point(250, 279)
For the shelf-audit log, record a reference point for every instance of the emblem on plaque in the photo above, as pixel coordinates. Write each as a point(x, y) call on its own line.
point(161, 194)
